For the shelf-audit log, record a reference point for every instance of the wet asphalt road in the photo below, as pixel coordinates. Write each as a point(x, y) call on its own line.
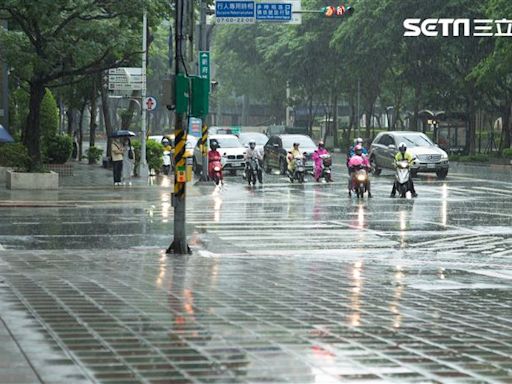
point(287, 283)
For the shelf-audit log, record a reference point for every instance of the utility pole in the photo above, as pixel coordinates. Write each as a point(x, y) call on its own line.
point(5, 89)
point(144, 170)
point(203, 46)
point(179, 244)
point(358, 106)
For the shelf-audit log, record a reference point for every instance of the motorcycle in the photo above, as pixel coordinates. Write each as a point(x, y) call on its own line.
point(166, 162)
point(403, 177)
point(360, 181)
point(253, 171)
point(326, 167)
point(300, 170)
point(216, 171)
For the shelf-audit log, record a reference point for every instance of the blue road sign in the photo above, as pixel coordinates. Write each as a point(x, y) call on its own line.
point(234, 9)
point(274, 11)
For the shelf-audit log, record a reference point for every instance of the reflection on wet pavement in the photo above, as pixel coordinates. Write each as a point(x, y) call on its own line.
point(293, 284)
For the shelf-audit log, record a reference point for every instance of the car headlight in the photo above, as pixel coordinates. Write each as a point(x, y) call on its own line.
point(444, 156)
point(361, 177)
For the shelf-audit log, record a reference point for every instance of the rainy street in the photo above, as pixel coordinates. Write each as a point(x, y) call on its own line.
point(286, 283)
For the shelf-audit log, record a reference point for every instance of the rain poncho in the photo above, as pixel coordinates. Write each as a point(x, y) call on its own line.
point(318, 161)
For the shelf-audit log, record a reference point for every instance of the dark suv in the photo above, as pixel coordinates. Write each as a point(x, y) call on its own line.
point(277, 149)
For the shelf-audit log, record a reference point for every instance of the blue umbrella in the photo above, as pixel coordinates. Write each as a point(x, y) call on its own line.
point(4, 136)
point(122, 133)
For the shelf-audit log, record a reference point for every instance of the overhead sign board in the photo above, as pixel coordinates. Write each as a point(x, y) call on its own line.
point(126, 79)
point(234, 12)
point(273, 11)
point(126, 86)
point(125, 71)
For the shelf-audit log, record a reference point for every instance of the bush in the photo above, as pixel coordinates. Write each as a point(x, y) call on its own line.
point(94, 154)
point(14, 155)
point(478, 158)
point(57, 149)
point(154, 152)
point(507, 153)
point(49, 116)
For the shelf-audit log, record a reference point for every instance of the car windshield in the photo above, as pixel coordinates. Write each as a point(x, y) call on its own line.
point(304, 141)
point(227, 142)
point(259, 139)
point(414, 140)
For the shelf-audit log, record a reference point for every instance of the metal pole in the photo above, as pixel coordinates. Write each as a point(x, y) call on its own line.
point(203, 46)
point(144, 170)
point(179, 244)
point(358, 103)
point(5, 89)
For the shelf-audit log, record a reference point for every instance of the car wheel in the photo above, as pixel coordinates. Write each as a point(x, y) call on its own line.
point(266, 166)
point(441, 174)
point(376, 170)
point(283, 167)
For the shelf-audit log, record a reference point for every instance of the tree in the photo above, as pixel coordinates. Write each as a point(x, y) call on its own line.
point(73, 39)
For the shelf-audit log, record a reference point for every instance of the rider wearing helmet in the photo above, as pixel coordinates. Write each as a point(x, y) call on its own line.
point(351, 150)
point(253, 152)
point(167, 144)
point(358, 160)
point(402, 155)
point(292, 154)
point(214, 156)
point(320, 151)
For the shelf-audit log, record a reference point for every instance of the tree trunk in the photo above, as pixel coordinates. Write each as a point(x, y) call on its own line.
point(471, 124)
point(105, 107)
point(70, 114)
point(335, 120)
point(32, 136)
point(92, 124)
point(506, 128)
point(81, 132)
point(126, 119)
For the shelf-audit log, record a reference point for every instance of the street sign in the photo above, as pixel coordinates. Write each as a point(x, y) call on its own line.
point(125, 71)
point(150, 103)
point(126, 86)
point(273, 11)
point(234, 12)
point(204, 64)
point(126, 79)
point(194, 127)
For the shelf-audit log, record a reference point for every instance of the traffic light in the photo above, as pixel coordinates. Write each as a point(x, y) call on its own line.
point(341, 10)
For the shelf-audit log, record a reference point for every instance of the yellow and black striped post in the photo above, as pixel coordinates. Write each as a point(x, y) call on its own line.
point(204, 150)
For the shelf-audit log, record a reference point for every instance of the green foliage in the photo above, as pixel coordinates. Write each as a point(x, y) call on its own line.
point(478, 158)
point(49, 116)
point(507, 153)
point(14, 155)
point(58, 149)
point(94, 154)
point(154, 151)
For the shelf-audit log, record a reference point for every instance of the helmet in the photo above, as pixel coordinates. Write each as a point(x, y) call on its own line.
point(402, 147)
point(252, 143)
point(321, 144)
point(358, 141)
point(214, 144)
point(358, 149)
point(296, 144)
point(165, 141)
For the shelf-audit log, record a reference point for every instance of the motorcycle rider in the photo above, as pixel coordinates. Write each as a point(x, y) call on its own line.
point(402, 155)
point(359, 159)
point(214, 157)
point(251, 152)
point(319, 164)
point(292, 154)
point(167, 144)
point(351, 150)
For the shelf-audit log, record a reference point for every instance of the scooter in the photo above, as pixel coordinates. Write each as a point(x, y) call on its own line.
point(360, 181)
point(403, 178)
point(300, 170)
point(253, 171)
point(326, 167)
point(166, 162)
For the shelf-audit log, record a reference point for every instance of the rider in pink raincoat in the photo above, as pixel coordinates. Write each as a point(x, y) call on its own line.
point(318, 160)
point(359, 159)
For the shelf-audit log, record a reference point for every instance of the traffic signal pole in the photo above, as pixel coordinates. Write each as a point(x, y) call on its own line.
point(179, 244)
point(203, 46)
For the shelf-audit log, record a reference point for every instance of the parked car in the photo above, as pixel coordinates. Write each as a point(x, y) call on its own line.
point(428, 156)
point(260, 138)
point(232, 151)
point(277, 147)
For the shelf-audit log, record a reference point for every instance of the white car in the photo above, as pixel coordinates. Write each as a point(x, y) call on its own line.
point(428, 156)
point(260, 139)
point(231, 150)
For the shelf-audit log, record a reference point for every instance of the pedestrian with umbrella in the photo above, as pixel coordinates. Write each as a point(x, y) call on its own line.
point(128, 161)
point(117, 149)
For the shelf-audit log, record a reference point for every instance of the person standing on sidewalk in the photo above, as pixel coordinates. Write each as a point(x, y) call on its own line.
point(128, 161)
point(117, 160)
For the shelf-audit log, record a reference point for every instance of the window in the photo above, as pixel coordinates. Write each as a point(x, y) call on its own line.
point(386, 140)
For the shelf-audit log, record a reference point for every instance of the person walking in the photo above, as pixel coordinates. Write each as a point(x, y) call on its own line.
point(128, 161)
point(117, 160)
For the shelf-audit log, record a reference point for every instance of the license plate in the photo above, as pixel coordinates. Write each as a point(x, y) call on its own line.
point(431, 166)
